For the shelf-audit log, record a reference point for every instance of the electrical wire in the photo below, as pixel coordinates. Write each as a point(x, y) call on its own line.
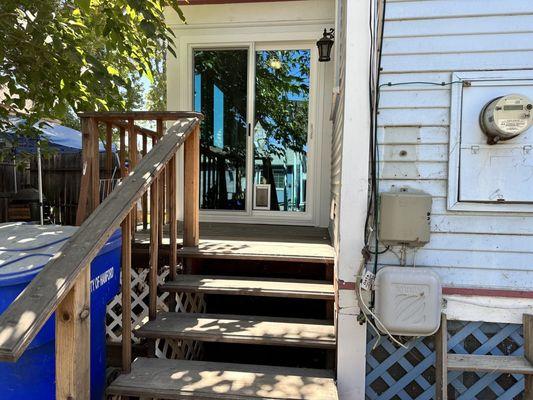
point(374, 78)
point(378, 321)
point(387, 248)
point(378, 334)
point(366, 310)
point(390, 84)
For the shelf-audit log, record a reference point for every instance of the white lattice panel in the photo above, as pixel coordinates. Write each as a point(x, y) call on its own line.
point(139, 304)
point(185, 302)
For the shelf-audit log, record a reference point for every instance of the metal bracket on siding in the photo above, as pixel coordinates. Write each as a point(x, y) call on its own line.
point(474, 149)
point(527, 148)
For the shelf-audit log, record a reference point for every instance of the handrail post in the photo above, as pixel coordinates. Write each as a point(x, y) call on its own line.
point(160, 132)
point(89, 196)
point(173, 258)
point(441, 360)
point(126, 294)
point(86, 166)
point(191, 197)
point(528, 353)
point(122, 152)
point(132, 155)
point(73, 341)
point(154, 248)
point(109, 149)
point(173, 227)
point(95, 170)
point(144, 201)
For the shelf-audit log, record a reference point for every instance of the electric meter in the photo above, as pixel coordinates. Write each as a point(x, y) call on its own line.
point(505, 117)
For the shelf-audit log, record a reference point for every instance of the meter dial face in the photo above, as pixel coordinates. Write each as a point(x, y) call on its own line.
point(506, 117)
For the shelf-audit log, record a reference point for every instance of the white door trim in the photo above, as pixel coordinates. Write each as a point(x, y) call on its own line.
point(181, 93)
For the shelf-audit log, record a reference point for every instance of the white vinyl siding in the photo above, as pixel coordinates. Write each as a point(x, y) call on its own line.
point(338, 117)
point(428, 40)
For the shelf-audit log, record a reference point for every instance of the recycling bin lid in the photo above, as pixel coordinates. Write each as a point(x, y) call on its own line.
point(25, 248)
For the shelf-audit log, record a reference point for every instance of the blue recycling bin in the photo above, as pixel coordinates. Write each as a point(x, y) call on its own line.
point(24, 250)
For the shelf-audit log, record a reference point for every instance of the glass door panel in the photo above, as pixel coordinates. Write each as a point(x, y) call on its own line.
point(281, 129)
point(220, 93)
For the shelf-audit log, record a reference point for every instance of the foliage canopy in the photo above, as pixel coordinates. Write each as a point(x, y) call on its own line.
point(59, 56)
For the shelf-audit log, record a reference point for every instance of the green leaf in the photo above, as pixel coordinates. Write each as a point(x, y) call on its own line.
point(112, 70)
point(85, 5)
point(64, 55)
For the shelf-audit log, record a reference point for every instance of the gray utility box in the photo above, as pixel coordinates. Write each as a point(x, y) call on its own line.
point(408, 301)
point(404, 218)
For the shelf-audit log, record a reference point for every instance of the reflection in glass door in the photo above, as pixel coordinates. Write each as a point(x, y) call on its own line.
point(280, 129)
point(220, 93)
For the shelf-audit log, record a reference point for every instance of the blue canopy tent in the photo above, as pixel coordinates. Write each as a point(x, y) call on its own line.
point(59, 137)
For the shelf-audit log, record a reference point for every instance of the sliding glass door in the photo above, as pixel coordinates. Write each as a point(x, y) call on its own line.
point(254, 139)
point(281, 121)
point(220, 93)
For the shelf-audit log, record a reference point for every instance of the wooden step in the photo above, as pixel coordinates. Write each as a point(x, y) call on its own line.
point(183, 379)
point(261, 250)
point(483, 363)
point(244, 286)
point(241, 329)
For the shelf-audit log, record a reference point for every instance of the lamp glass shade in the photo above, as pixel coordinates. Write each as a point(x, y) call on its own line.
point(324, 48)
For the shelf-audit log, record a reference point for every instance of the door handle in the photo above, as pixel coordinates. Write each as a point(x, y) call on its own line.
point(249, 129)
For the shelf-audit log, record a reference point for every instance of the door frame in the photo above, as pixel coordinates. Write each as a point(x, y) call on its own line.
point(317, 159)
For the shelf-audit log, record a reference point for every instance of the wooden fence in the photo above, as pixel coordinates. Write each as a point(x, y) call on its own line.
point(61, 183)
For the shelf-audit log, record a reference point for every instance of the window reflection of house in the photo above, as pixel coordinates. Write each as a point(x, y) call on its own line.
point(286, 171)
point(220, 94)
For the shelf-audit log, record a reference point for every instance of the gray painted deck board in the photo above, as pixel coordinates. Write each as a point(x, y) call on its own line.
point(241, 329)
point(266, 287)
point(183, 379)
point(255, 242)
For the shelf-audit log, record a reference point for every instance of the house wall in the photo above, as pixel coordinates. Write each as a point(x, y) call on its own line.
point(427, 40)
point(337, 117)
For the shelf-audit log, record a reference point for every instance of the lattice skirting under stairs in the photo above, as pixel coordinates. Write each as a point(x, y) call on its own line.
point(398, 374)
point(185, 302)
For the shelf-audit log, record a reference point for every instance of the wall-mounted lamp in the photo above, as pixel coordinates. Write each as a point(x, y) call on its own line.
point(324, 44)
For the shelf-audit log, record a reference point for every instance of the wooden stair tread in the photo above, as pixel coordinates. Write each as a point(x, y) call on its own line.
point(484, 363)
point(261, 250)
point(241, 329)
point(247, 286)
point(185, 379)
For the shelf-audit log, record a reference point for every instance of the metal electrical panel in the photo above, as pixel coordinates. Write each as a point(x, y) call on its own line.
point(495, 142)
point(404, 218)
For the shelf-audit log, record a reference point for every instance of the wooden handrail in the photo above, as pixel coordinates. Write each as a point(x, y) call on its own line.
point(139, 115)
point(24, 318)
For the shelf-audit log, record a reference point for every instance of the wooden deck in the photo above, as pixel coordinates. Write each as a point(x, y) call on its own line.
point(242, 286)
point(183, 379)
point(272, 331)
point(255, 242)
